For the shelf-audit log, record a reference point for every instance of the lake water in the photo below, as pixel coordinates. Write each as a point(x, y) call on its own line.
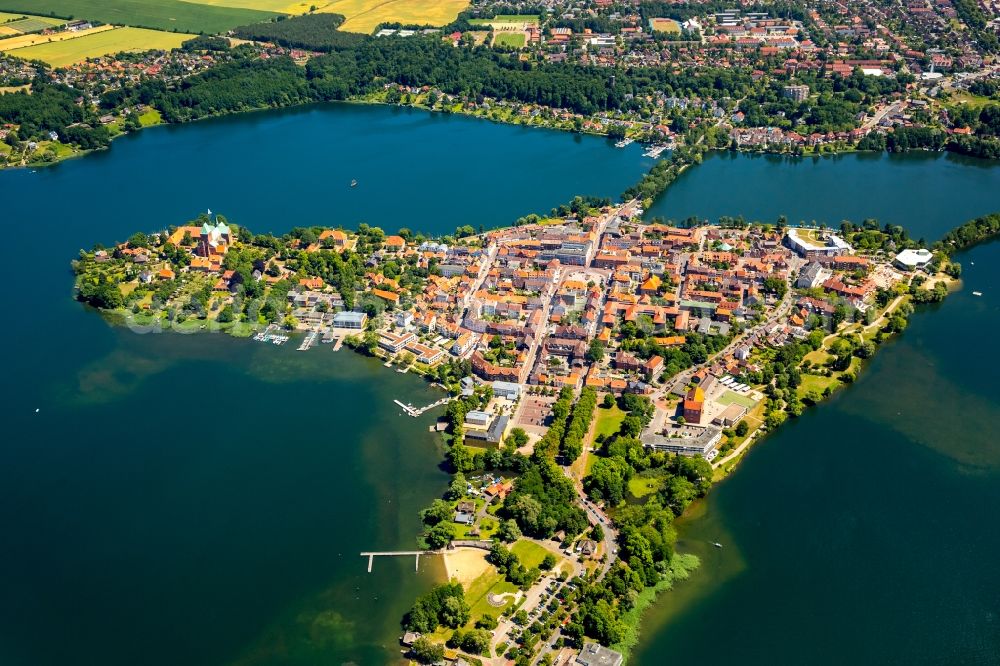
point(861, 532)
point(928, 193)
point(202, 500)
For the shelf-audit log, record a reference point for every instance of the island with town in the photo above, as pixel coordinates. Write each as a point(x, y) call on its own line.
point(599, 372)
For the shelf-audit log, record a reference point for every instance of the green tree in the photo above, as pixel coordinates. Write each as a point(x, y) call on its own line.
point(454, 612)
point(458, 486)
point(509, 531)
point(439, 511)
point(440, 535)
point(477, 641)
point(427, 652)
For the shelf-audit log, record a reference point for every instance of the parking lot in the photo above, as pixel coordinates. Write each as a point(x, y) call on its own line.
point(534, 412)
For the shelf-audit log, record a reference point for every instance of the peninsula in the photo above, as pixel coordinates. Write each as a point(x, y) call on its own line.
point(603, 372)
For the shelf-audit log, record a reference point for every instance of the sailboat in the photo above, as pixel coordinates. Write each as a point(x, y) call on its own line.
point(354, 183)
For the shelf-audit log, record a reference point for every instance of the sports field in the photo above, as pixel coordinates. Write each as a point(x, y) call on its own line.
point(33, 23)
point(22, 41)
point(363, 15)
point(99, 43)
point(514, 39)
point(666, 25)
point(167, 15)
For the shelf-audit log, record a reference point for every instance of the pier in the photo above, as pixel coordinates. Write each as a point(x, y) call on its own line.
point(399, 553)
point(655, 151)
point(414, 412)
point(309, 341)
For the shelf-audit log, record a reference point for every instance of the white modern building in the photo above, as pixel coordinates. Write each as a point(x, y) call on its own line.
point(825, 245)
point(910, 260)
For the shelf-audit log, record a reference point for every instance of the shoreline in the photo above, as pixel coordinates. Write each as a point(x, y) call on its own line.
point(368, 101)
point(649, 594)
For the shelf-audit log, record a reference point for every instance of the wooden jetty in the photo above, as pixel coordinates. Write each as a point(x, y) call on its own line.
point(309, 341)
point(415, 412)
point(399, 553)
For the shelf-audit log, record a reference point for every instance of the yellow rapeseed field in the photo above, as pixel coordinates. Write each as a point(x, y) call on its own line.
point(11, 43)
point(280, 6)
point(364, 15)
point(100, 42)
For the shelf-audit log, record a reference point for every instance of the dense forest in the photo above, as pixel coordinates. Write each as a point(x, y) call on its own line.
point(971, 233)
point(427, 61)
point(48, 108)
point(316, 32)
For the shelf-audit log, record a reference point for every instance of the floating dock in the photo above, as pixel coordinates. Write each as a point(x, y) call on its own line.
point(414, 412)
point(309, 341)
point(271, 334)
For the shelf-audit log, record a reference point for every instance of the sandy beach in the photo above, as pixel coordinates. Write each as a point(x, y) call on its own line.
point(465, 564)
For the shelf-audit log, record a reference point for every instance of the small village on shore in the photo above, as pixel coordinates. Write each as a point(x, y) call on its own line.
point(617, 358)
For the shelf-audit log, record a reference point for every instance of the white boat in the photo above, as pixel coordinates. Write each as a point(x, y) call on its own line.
point(717, 544)
point(354, 183)
point(977, 293)
point(624, 142)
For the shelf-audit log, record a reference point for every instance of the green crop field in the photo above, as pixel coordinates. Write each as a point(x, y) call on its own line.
point(33, 23)
point(507, 18)
point(513, 39)
point(170, 15)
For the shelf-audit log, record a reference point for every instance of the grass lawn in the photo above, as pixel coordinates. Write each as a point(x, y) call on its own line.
point(477, 595)
point(609, 420)
point(731, 397)
point(815, 383)
point(159, 14)
point(639, 486)
point(531, 554)
point(965, 98)
point(150, 117)
point(242, 329)
point(506, 18)
point(818, 357)
point(100, 43)
point(512, 39)
point(62, 150)
point(363, 15)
